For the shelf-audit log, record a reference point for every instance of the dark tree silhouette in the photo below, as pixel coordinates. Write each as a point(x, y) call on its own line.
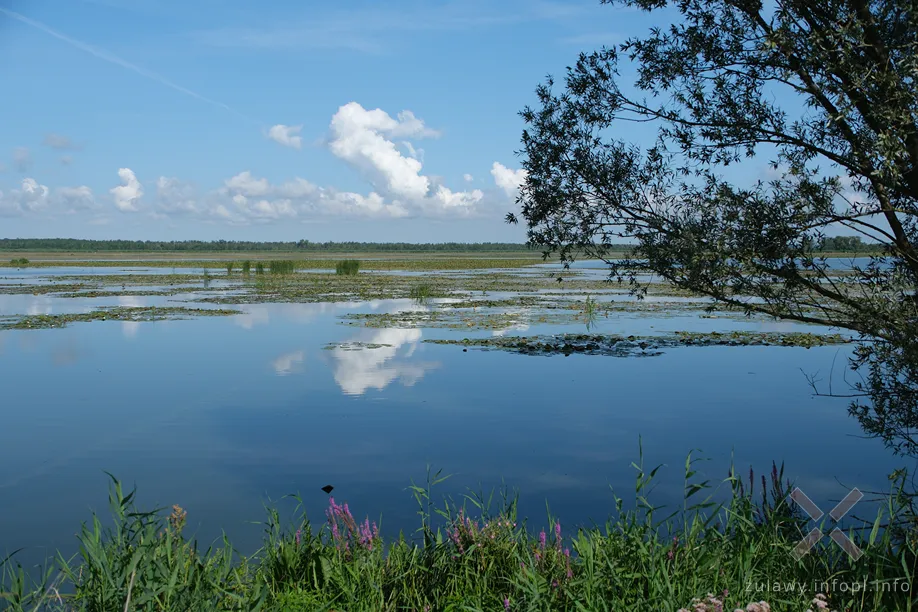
point(827, 92)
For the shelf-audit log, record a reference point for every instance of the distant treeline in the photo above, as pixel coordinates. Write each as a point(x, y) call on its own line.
point(845, 244)
point(848, 244)
point(77, 245)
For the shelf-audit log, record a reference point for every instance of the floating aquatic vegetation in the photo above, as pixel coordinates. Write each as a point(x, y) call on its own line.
point(141, 313)
point(354, 346)
point(637, 346)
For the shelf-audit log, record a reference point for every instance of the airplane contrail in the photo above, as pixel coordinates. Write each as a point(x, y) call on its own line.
point(114, 59)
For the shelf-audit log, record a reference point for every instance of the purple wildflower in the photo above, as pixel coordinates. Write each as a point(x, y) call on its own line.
point(297, 537)
point(558, 535)
point(542, 540)
point(506, 603)
point(364, 535)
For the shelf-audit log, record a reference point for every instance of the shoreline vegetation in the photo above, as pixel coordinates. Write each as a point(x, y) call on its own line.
point(480, 555)
point(32, 251)
point(152, 246)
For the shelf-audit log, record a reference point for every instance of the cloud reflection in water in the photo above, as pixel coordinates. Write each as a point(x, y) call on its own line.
point(288, 363)
point(357, 370)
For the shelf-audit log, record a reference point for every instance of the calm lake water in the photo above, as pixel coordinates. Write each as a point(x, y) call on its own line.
point(223, 414)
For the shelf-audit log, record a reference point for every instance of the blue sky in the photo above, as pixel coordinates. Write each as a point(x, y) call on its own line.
point(281, 120)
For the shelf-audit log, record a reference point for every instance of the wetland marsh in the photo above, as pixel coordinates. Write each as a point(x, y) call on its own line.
point(219, 390)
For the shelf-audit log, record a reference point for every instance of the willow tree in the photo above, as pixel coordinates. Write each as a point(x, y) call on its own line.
point(813, 106)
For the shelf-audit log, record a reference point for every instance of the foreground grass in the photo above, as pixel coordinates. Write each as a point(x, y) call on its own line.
point(475, 558)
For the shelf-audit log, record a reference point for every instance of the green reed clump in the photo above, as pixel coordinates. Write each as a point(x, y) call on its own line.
point(590, 312)
point(259, 268)
point(22, 261)
point(421, 293)
point(246, 267)
point(282, 266)
point(229, 267)
point(479, 555)
point(347, 267)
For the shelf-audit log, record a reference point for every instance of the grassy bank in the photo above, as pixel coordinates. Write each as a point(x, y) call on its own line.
point(703, 556)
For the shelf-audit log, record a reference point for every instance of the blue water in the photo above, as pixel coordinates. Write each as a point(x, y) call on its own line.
point(223, 414)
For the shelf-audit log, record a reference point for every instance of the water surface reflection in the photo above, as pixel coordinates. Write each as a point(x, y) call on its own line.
point(220, 413)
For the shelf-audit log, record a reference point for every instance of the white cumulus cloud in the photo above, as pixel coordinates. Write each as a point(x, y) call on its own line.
point(468, 178)
point(31, 197)
point(245, 198)
point(366, 139)
point(457, 200)
point(127, 195)
point(34, 196)
point(76, 199)
point(373, 141)
point(508, 180)
point(286, 135)
point(361, 137)
point(173, 196)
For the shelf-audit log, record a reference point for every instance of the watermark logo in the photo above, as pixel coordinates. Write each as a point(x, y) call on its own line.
point(837, 513)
